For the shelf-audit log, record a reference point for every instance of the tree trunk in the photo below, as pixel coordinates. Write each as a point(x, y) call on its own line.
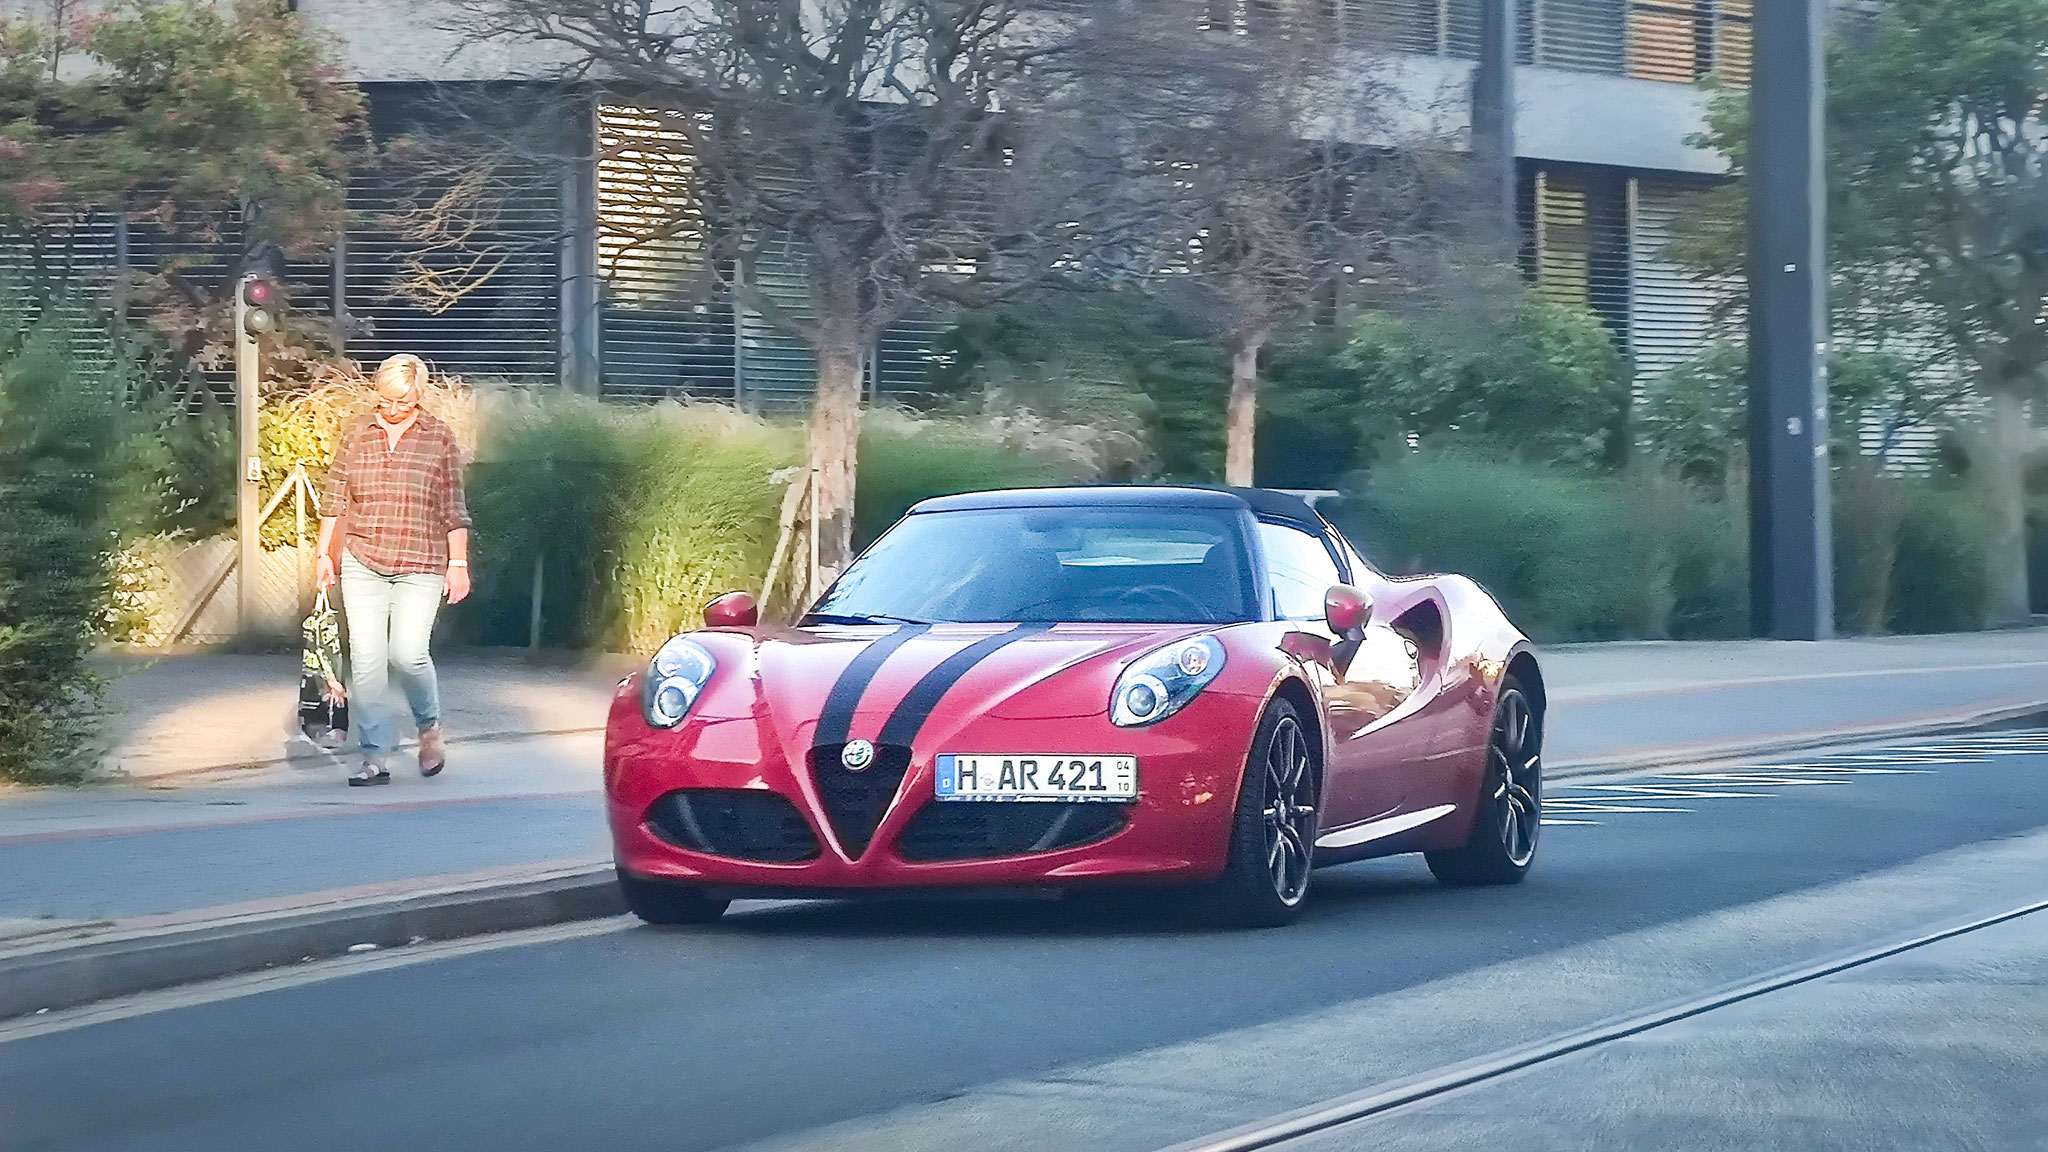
point(2007, 439)
point(1244, 409)
point(834, 444)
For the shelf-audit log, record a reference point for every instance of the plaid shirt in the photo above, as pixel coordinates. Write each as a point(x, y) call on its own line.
point(397, 505)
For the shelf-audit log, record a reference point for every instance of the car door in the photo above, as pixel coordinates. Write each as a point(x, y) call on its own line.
point(1360, 682)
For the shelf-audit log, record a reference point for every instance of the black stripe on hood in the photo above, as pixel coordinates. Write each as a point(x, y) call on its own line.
point(835, 719)
point(917, 704)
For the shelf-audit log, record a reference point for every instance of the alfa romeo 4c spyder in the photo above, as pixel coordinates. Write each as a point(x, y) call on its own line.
point(1082, 687)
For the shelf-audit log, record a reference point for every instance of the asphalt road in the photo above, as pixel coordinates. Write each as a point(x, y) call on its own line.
point(1092, 1025)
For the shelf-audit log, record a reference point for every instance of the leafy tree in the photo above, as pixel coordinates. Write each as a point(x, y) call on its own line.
point(1247, 125)
point(1549, 387)
point(207, 123)
point(1938, 163)
point(904, 153)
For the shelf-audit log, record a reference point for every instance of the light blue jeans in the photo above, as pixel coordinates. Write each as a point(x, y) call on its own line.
point(390, 622)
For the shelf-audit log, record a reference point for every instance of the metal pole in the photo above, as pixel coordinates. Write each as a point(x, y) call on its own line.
point(1791, 561)
point(534, 601)
point(1493, 110)
point(248, 453)
point(298, 483)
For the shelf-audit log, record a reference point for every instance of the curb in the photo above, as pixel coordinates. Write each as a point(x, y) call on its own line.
point(49, 974)
point(1955, 723)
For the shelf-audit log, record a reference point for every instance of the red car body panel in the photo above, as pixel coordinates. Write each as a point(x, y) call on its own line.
point(1404, 717)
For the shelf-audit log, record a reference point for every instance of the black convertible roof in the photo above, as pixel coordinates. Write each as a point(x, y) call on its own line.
point(1263, 501)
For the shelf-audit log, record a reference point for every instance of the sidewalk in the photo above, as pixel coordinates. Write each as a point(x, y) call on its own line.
point(217, 810)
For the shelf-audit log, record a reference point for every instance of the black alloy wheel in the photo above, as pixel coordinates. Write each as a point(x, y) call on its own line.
point(1510, 816)
point(1265, 880)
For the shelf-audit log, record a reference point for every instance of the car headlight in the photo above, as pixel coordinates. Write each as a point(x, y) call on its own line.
point(1161, 682)
point(675, 678)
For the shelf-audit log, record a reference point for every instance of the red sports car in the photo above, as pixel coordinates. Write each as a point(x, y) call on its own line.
point(1072, 687)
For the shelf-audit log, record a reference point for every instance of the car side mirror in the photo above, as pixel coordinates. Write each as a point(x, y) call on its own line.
point(732, 610)
point(1348, 611)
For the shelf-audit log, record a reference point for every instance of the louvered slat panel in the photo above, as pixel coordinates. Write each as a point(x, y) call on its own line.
point(1397, 25)
point(503, 249)
point(906, 356)
point(1733, 45)
point(65, 273)
point(777, 370)
point(1581, 242)
point(1580, 35)
point(1460, 28)
point(1663, 40)
point(1670, 321)
point(668, 331)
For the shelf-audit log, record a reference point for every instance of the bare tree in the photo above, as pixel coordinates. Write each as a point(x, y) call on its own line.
point(903, 147)
point(1281, 166)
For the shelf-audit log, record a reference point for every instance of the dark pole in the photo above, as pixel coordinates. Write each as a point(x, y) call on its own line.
point(1493, 110)
point(1791, 562)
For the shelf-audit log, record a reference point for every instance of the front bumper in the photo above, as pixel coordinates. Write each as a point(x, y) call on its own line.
point(1177, 831)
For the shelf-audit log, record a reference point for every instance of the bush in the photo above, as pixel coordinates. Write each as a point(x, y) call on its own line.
point(1571, 556)
point(641, 515)
point(904, 460)
point(1549, 388)
point(59, 426)
point(1941, 576)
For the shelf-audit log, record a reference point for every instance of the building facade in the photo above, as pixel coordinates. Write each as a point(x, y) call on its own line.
point(1609, 97)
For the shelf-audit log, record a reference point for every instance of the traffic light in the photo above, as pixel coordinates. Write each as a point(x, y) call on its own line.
point(259, 297)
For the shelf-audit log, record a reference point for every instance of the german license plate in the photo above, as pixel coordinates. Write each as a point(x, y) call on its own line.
point(1043, 777)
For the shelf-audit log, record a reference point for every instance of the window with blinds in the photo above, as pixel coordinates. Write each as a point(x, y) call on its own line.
point(1576, 238)
point(667, 326)
point(1681, 41)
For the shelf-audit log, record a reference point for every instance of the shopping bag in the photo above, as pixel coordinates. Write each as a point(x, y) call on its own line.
point(323, 682)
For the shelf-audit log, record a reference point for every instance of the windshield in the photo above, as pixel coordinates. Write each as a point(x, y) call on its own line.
point(1135, 564)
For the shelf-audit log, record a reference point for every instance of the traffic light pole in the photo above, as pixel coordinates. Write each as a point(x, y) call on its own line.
point(1791, 561)
point(248, 463)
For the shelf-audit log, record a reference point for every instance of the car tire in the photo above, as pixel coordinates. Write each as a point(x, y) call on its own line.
point(1509, 817)
point(658, 902)
point(1265, 878)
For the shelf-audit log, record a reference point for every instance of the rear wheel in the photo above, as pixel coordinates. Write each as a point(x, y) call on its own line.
point(661, 903)
point(1504, 831)
point(1272, 838)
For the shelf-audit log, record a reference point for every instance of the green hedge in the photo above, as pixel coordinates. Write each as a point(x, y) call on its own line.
point(1570, 555)
point(641, 514)
point(59, 431)
point(1593, 556)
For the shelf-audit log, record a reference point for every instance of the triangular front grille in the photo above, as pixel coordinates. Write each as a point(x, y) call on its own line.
point(856, 801)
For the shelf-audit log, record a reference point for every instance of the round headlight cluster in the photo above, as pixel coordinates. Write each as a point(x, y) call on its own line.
point(1162, 681)
point(675, 678)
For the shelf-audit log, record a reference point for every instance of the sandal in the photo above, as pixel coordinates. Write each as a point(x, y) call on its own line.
point(370, 775)
point(433, 751)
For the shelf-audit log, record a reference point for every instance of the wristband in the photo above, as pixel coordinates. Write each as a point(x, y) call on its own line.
point(458, 563)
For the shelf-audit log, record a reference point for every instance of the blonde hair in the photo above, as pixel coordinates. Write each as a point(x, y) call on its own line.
point(404, 370)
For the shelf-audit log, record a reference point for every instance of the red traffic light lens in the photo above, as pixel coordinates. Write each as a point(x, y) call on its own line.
point(258, 292)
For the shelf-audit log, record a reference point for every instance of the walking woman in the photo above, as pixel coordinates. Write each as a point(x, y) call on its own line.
point(395, 515)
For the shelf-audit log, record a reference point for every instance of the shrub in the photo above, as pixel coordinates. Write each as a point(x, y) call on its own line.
point(904, 459)
point(1548, 388)
point(59, 425)
point(640, 515)
point(1941, 576)
point(1571, 556)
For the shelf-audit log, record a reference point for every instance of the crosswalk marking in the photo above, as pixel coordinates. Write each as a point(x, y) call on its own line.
point(1566, 800)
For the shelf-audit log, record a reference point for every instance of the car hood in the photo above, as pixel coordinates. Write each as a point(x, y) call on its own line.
point(897, 685)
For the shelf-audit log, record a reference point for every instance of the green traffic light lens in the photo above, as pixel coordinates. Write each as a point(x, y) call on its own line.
point(257, 321)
